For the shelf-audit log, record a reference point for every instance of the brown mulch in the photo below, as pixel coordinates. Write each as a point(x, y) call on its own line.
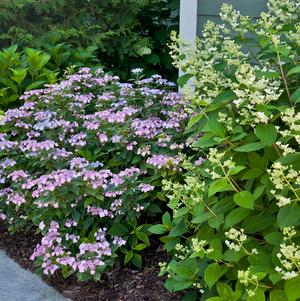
point(120, 284)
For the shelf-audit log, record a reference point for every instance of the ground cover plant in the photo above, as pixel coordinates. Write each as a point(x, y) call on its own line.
point(126, 33)
point(78, 161)
point(234, 227)
point(21, 71)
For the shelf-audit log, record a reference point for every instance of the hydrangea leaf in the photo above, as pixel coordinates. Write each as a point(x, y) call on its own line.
point(278, 295)
point(266, 133)
point(213, 273)
point(244, 199)
point(291, 288)
point(219, 185)
point(250, 147)
point(288, 216)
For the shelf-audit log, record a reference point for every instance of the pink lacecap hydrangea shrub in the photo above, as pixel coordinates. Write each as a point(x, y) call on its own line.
point(77, 157)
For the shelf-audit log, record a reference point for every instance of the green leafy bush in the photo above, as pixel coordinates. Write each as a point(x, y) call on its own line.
point(234, 227)
point(32, 68)
point(127, 33)
point(78, 161)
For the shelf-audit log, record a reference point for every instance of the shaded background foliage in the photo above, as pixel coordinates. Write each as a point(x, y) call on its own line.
point(127, 33)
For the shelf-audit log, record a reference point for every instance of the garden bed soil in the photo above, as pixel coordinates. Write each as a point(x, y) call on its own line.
point(120, 284)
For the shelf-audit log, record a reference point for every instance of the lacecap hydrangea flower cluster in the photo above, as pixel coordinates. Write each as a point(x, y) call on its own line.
point(80, 155)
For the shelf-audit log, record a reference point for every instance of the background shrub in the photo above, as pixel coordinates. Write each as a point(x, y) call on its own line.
point(127, 34)
point(79, 159)
point(234, 229)
point(32, 68)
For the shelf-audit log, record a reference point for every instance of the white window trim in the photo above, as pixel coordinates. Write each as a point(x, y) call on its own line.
point(188, 25)
point(188, 21)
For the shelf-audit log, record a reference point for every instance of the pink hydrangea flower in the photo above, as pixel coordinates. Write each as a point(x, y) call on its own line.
point(146, 187)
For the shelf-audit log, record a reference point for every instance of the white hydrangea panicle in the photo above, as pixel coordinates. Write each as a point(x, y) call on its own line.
point(248, 279)
point(294, 36)
point(289, 255)
point(289, 232)
point(215, 156)
point(284, 178)
point(236, 239)
point(226, 120)
point(233, 17)
point(279, 13)
point(285, 148)
point(197, 248)
point(291, 119)
point(284, 10)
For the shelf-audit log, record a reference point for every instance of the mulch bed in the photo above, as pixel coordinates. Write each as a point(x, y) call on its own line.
point(121, 284)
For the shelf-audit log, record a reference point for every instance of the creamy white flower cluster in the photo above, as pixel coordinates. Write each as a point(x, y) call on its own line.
point(216, 158)
point(285, 10)
point(247, 278)
point(286, 149)
point(236, 239)
point(284, 178)
point(294, 36)
point(289, 255)
point(280, 12)
point(182, 251)
point(197, 246)
point(251, 92)
point(234, 18)
point(291, 118)
point(226, 120)
point(199, 61)
point(188, 194)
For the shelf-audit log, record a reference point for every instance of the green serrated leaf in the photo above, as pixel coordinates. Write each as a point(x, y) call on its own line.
point(157, 229)
point(236, 216)
point(250, 147)
point(166, 218)
point(143, 237)
point(224, 290)
point(288, 215)
point(235, 170)
point(181, 212)
point(278, 295)
point(296, 96)
point(266, 133)
point(140, 247)
point(291, 288)
point(118, 230)
point(137, 260)
point(294, 70)
point(128, 257)
point(274, 238)
point(252, 173)
point(244, 199)
point(219, 185)
point(213, 273)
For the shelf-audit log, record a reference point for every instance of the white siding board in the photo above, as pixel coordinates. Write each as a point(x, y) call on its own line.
point(210, 10)
point(251, 8)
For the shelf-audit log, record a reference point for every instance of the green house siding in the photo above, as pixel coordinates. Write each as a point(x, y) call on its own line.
point(210, 9)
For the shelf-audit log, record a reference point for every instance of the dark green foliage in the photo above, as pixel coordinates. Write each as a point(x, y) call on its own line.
point(127, 33)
